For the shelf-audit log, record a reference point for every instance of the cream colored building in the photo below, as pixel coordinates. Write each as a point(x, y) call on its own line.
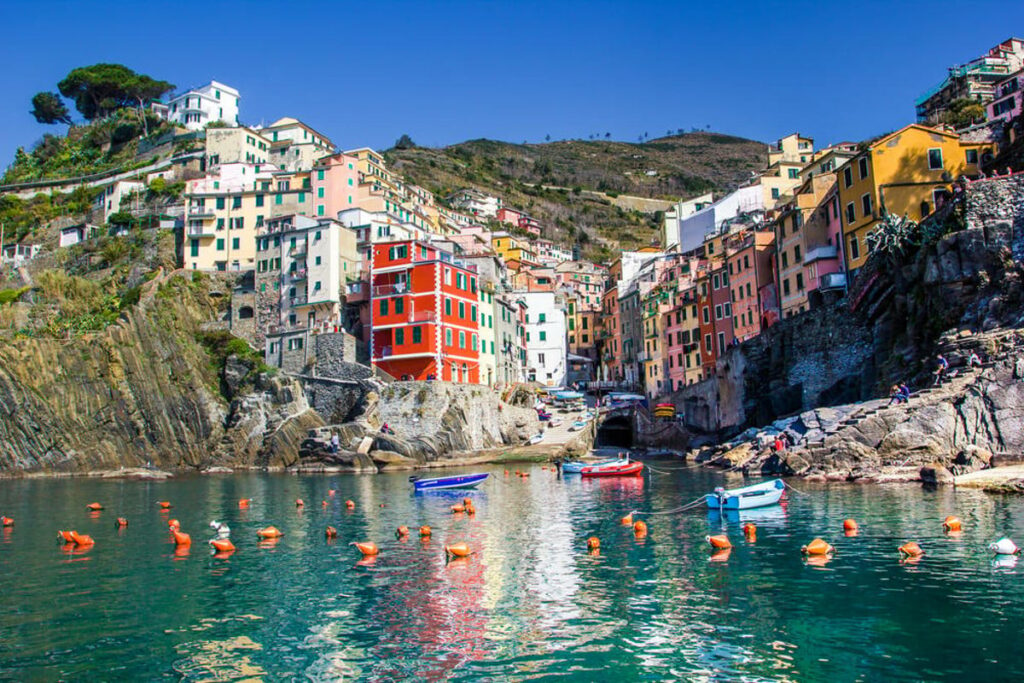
point(235, 146)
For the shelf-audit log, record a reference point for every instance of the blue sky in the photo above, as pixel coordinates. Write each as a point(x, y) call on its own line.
point(365, 72)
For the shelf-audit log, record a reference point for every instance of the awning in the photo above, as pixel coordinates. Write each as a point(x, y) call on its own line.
point(573, 358)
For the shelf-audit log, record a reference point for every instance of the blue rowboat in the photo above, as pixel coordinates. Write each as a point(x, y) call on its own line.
point(462, 481)
point(758, 495)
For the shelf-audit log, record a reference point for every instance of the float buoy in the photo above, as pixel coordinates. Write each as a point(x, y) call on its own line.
point(640, 528)
point(323, 503)
point(269, 532)
point(181, 538)
point(1004, 546)
point(223, 545)
point(7, 521)
point(911, 549)
point(470, 510)
point(330, 493)
point(121, 522)
point(81, 539)
point(719, 542)
point(244, 503)
point(367, 549)
point(299, 502)
point(850, 525)
point(593, 543)
point(173, 524)
point(458, 507)
point(750, 531)
point(506, 473)
point(458, 550)
point(331, 532)
point(164, 504)
point(817, 547)
point(66, 536)
point(95, 507)
point(627, 520)
point(402, 531)
point(952, 523)
point(350, 505)
point(425, 532)
point(467, 501)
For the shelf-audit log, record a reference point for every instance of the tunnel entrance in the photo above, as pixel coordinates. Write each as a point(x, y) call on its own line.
point(615, 432)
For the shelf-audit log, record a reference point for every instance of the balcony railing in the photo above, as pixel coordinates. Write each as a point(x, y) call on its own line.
point(422, 316)
point(200, 231)
point(832, 281)
point(827, 251)
point(389, 289)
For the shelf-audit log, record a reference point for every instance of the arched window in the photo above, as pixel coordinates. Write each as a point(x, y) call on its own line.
point(245, 312)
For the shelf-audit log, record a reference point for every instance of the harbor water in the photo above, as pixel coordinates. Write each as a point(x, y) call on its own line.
point(529, 604)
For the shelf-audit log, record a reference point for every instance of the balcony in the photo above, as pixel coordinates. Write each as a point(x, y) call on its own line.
point(200, 212)
point(297, 275)
point(391, 289)
point(296, 300)
point(821, 253)
point(422, 317)
point(832, 281)
point(200, 231)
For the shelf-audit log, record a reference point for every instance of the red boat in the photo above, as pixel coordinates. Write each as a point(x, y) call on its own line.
point(613, 469)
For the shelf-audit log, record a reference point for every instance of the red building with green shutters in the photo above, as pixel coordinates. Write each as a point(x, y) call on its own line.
point(423, 313)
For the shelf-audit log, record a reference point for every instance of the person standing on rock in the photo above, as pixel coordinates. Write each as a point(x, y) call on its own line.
point(335, 443)
point(940, 370)
point(974, 361)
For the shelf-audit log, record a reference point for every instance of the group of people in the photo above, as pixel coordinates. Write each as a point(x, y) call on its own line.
point(899, 393)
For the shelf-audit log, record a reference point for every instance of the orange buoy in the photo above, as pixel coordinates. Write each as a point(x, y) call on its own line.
point(470, 510)
point(323, 503)
point(640, 528)
point(299, 502)
point(181, 538)
point(244, 502)
point(223, 545)
point(331, 532)
point(458, 550)
point(425, 531)
point(402, 531)
point(7, 521)
point(952, 523)
point(81, 539)
point(719, 542)
point(458, 507)
point(720, 555)
point(269, 532)
point(350, 505)
point(467, 501)
point(750, 531)
point(367, 548)
point(817, 547)
point(94, 507)
point(173, 524)
point(911, 549)
point(593, 543)
point(850, 525)
point(165, 504)
point(627, 520)
point(121, 521)
point(66, 536)
point(506, 473)
point(330, 493)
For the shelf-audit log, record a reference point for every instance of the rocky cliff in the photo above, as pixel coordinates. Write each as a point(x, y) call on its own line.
point(143, 390)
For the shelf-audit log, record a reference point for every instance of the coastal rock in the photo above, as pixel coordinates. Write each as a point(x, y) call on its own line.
point(936, 474)
point(390, 461)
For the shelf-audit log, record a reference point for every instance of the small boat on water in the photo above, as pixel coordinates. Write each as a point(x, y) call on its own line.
point(758, 495)
point(462, 481)
point(577, 426)
point(616, 468)
point(576, 466)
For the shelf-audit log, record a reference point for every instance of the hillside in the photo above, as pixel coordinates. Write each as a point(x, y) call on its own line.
point(549, 180)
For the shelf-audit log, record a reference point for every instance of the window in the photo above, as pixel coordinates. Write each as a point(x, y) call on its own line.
point(799, 282)
point(399, 336)
point(707, 315)
point(794, 173)
point(865, 204)
point(775, 193)
point(862, 165)
point(785, 260)
point(220, 223)
point(727, 310)
point(462, 310)
point(796, 254)
point(721, 343)
point(847, 177)
point(472, 313)
point(935, 159)
point(278, 199)
point(447, 276)
point(417, 334)
point(707, 342)
point(383, 306)
point(971, 157)
point(448, 336)
point(785, 287)
point(854, 247)
point(235, 243)
point(220, 244)
point(195, 247)
point(716, 282)
point(542, 318)
point(447, 306)
point(320, 175)
point(462, 339)
point(320, 192)
point(543, 335)
point(851, 214)
point(220, 202)
point(399, 305)
point(718, 312)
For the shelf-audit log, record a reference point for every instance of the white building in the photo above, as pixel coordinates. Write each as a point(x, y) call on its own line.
point(679, 211)
point(378, 226)
point(693, 230)
point(475, 203)
point(111, 198)
point(196, 108)
point(546, 346)
point(294, 146)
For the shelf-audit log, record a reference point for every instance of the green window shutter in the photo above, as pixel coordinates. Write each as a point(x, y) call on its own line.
point(220, 202)
point(320, 192)
point(302, 197)
point(543, 336)
point(220, 244)
point(319, 175)
point(383, 306)
point(320, 210)
point(277, 199)
point(417, 335)
point(447, 306)
point(236, 243)
point(195, 247)
point(259, 200)
point(399, 336)
point(462, 310)
point(399, 305)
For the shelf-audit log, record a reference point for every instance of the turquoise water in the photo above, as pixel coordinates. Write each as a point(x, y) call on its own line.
point(531, 603)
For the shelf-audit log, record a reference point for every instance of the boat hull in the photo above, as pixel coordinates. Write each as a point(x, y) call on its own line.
point(629, 469)
point(760, 495)
point(465, 481)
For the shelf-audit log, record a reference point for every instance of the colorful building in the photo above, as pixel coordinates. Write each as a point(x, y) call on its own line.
point(424, 310)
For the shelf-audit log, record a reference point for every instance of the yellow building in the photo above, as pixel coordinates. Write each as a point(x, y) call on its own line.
point(903, 173)
point(511, 248)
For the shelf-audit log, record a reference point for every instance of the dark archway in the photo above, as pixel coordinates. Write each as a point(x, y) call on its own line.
point(245, 312)
point(615, 432)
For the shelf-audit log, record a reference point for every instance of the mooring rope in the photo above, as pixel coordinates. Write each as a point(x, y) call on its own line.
point(673, 511)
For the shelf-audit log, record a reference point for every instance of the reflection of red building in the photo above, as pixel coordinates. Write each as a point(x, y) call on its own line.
point(423, 311)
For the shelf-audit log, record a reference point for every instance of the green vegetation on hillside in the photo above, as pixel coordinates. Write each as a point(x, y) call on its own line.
point(548, 180)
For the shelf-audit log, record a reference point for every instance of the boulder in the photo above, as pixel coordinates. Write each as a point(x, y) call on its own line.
point(972, 458)
point(936, 473)
point(390, 461)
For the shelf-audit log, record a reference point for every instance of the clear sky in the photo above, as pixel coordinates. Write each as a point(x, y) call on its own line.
point(366, 72)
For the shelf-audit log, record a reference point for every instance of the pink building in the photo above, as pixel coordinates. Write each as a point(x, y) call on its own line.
point(748, 255)
point(510, 216)
point(335, 182)
point(1008, 99)
point(823, 262)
